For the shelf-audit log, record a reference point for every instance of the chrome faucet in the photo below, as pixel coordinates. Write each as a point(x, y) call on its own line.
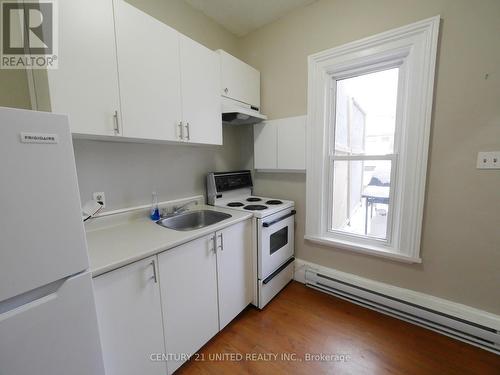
point(178, 209)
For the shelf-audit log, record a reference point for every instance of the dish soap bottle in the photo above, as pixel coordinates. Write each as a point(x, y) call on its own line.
point(155, 212)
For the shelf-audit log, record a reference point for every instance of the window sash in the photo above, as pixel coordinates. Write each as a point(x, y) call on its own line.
point(334, 149)
point(346, 236)
point(391, 157)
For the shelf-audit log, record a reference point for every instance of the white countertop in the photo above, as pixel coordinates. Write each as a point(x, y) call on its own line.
point(125, 242)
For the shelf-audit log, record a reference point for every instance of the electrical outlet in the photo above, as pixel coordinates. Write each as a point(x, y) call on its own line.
point(100, 197)
point(488, 160)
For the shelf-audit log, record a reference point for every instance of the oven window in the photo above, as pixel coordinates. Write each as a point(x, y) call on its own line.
point(278, 240)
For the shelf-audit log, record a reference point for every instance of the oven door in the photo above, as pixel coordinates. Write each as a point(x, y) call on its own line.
point(275, 235)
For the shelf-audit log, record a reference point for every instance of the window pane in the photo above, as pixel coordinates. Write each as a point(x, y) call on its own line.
point(361, 192)
point(366, 113)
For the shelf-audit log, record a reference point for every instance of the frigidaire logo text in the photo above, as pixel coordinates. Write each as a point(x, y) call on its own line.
point(29, 35)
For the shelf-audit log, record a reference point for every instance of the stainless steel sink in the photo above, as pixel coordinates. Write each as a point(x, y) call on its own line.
point(192, 220)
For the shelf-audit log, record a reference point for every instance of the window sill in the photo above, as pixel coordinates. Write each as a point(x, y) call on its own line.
point(369, 250)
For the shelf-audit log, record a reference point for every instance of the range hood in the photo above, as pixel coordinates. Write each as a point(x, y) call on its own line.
point(238, 113)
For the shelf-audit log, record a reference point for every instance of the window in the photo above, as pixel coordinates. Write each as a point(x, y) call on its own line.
point(362, 156)
point(369, 116)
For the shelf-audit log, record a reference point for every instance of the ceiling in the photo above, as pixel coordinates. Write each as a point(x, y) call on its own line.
point(243, 16)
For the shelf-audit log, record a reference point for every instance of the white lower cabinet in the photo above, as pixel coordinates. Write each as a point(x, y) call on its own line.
point(189, 298)
point(205, 284)
point(234, 270)
point(173, 303)
point(130, 321)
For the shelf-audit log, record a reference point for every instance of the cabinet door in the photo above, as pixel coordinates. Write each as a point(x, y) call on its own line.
point(201, 105)
point(149, 70)
point(130, 322)
point(239, 80)
point(264, 146)
point(85, 85)
point(234, 270)
point(189, 297)
point(281, 144)
point(292, 143)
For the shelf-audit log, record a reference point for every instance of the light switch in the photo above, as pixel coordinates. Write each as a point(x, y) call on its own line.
point(488, 160)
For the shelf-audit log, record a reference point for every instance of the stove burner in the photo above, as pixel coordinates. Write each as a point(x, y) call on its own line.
point(274, 201)
point(255, 207)
point(235, 204)
point(253, 199)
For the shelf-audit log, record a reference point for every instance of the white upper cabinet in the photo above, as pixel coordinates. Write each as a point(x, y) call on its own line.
point(201, 106)
point(85, 85)
point(239, 81)
point(124, 73)
point(291, 143)
point(149, 71)
point(280, 144)
point(265, 145)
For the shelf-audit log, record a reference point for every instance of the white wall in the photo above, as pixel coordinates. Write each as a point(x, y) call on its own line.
point(461, 232)
point(129, 172)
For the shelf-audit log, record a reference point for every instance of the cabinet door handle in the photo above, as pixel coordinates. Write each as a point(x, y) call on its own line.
point(117, 123)
point(214, 243)
point(181, 130)
point(221, 236)
point(187, 128)
point(155, 277)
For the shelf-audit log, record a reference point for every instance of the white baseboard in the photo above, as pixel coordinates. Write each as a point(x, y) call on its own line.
point(439, 305)
point(300, 270)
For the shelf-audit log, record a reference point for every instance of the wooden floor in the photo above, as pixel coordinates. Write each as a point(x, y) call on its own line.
point(301, 321)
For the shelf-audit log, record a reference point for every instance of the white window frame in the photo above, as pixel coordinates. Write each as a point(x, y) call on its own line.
point(413, 49)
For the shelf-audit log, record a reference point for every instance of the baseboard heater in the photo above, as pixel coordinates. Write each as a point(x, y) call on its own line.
point(461, 329)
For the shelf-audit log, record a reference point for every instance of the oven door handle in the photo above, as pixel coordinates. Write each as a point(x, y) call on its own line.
point(267, 225)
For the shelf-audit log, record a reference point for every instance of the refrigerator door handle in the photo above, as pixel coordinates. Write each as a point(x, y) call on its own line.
point(29, 300)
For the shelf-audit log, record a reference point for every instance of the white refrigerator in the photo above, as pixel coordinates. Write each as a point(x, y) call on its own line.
point(48, 322)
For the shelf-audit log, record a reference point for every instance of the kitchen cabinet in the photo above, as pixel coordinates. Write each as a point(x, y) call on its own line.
point(200, 80)
point(85, 84)
point(239, 81)
point(188, 277)
point(265, 145)
point(124, 73)
point(280, 145)
point(205, 284)
point(234, 270)
point(149, 71)
point(168, 82)
point(173, 302)
point(130, 321)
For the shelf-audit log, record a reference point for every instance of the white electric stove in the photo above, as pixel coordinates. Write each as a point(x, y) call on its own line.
point(273, 229)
